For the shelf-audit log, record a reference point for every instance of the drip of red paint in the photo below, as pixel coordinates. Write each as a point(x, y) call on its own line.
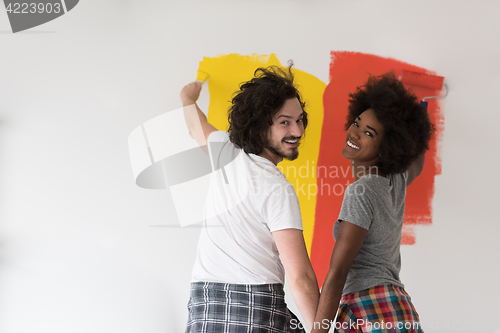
point(349, 70)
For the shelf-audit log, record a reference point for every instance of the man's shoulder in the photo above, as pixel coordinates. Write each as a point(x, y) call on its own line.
point(218, 136)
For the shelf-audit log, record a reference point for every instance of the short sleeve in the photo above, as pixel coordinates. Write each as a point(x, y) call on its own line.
point(218, 136)
point(281, 209)
point(399, 182)
point(405, 177)
point(357, 206)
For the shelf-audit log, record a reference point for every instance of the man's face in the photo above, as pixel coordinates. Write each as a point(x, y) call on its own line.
point(285, 132)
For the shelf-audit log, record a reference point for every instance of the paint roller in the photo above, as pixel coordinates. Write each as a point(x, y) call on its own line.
point(423, 80)
point(202, 76)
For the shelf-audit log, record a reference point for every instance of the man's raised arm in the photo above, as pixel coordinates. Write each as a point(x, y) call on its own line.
point(196, 121)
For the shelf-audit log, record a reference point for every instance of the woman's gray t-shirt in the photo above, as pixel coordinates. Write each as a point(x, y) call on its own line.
point(377, 204)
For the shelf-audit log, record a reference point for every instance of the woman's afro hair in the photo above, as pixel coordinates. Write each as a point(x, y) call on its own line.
point(407, 127)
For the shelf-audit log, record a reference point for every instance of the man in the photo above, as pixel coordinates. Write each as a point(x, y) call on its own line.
point(252, 232)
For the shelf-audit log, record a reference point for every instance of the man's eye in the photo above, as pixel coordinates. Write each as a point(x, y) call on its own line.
point(355, 124)
point(300, 120)
point(284, 122)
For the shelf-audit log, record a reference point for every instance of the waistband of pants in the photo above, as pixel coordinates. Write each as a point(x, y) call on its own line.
point(274, 287)
point(377, 290)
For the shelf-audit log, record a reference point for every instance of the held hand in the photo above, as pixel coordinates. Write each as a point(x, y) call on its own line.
point(190, 93)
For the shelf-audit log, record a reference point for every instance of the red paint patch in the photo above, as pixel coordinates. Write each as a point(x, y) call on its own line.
point(349, 70)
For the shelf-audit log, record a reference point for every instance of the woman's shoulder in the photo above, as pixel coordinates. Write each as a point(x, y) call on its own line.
point(373, 181)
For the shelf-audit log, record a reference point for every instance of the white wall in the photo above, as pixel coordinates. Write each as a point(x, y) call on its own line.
point(82, 249)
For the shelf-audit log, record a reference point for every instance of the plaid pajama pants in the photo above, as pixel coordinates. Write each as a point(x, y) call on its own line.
point(233, 308)
point(381, 309)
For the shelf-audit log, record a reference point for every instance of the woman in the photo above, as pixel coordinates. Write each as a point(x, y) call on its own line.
point(388, 132)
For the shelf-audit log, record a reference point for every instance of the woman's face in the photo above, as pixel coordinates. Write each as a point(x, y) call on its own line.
point(363, 140)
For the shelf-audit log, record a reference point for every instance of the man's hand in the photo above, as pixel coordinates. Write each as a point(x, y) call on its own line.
point(190, 93)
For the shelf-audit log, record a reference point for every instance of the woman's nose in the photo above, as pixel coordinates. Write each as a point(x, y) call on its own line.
point(353, 132)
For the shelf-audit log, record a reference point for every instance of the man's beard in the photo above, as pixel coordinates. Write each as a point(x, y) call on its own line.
point(279, 151)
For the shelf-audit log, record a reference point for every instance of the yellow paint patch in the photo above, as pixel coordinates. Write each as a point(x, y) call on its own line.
point(225, 74)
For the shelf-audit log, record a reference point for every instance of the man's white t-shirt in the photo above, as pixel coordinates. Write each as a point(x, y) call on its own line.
point(248, 199)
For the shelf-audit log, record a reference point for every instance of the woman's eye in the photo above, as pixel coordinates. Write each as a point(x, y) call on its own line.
point(299, 121)
point(369, 134)
point(284, 122)
point(355, 124)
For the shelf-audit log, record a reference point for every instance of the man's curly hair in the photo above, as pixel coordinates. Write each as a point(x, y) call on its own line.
point(255, 105)
point(407, 127)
